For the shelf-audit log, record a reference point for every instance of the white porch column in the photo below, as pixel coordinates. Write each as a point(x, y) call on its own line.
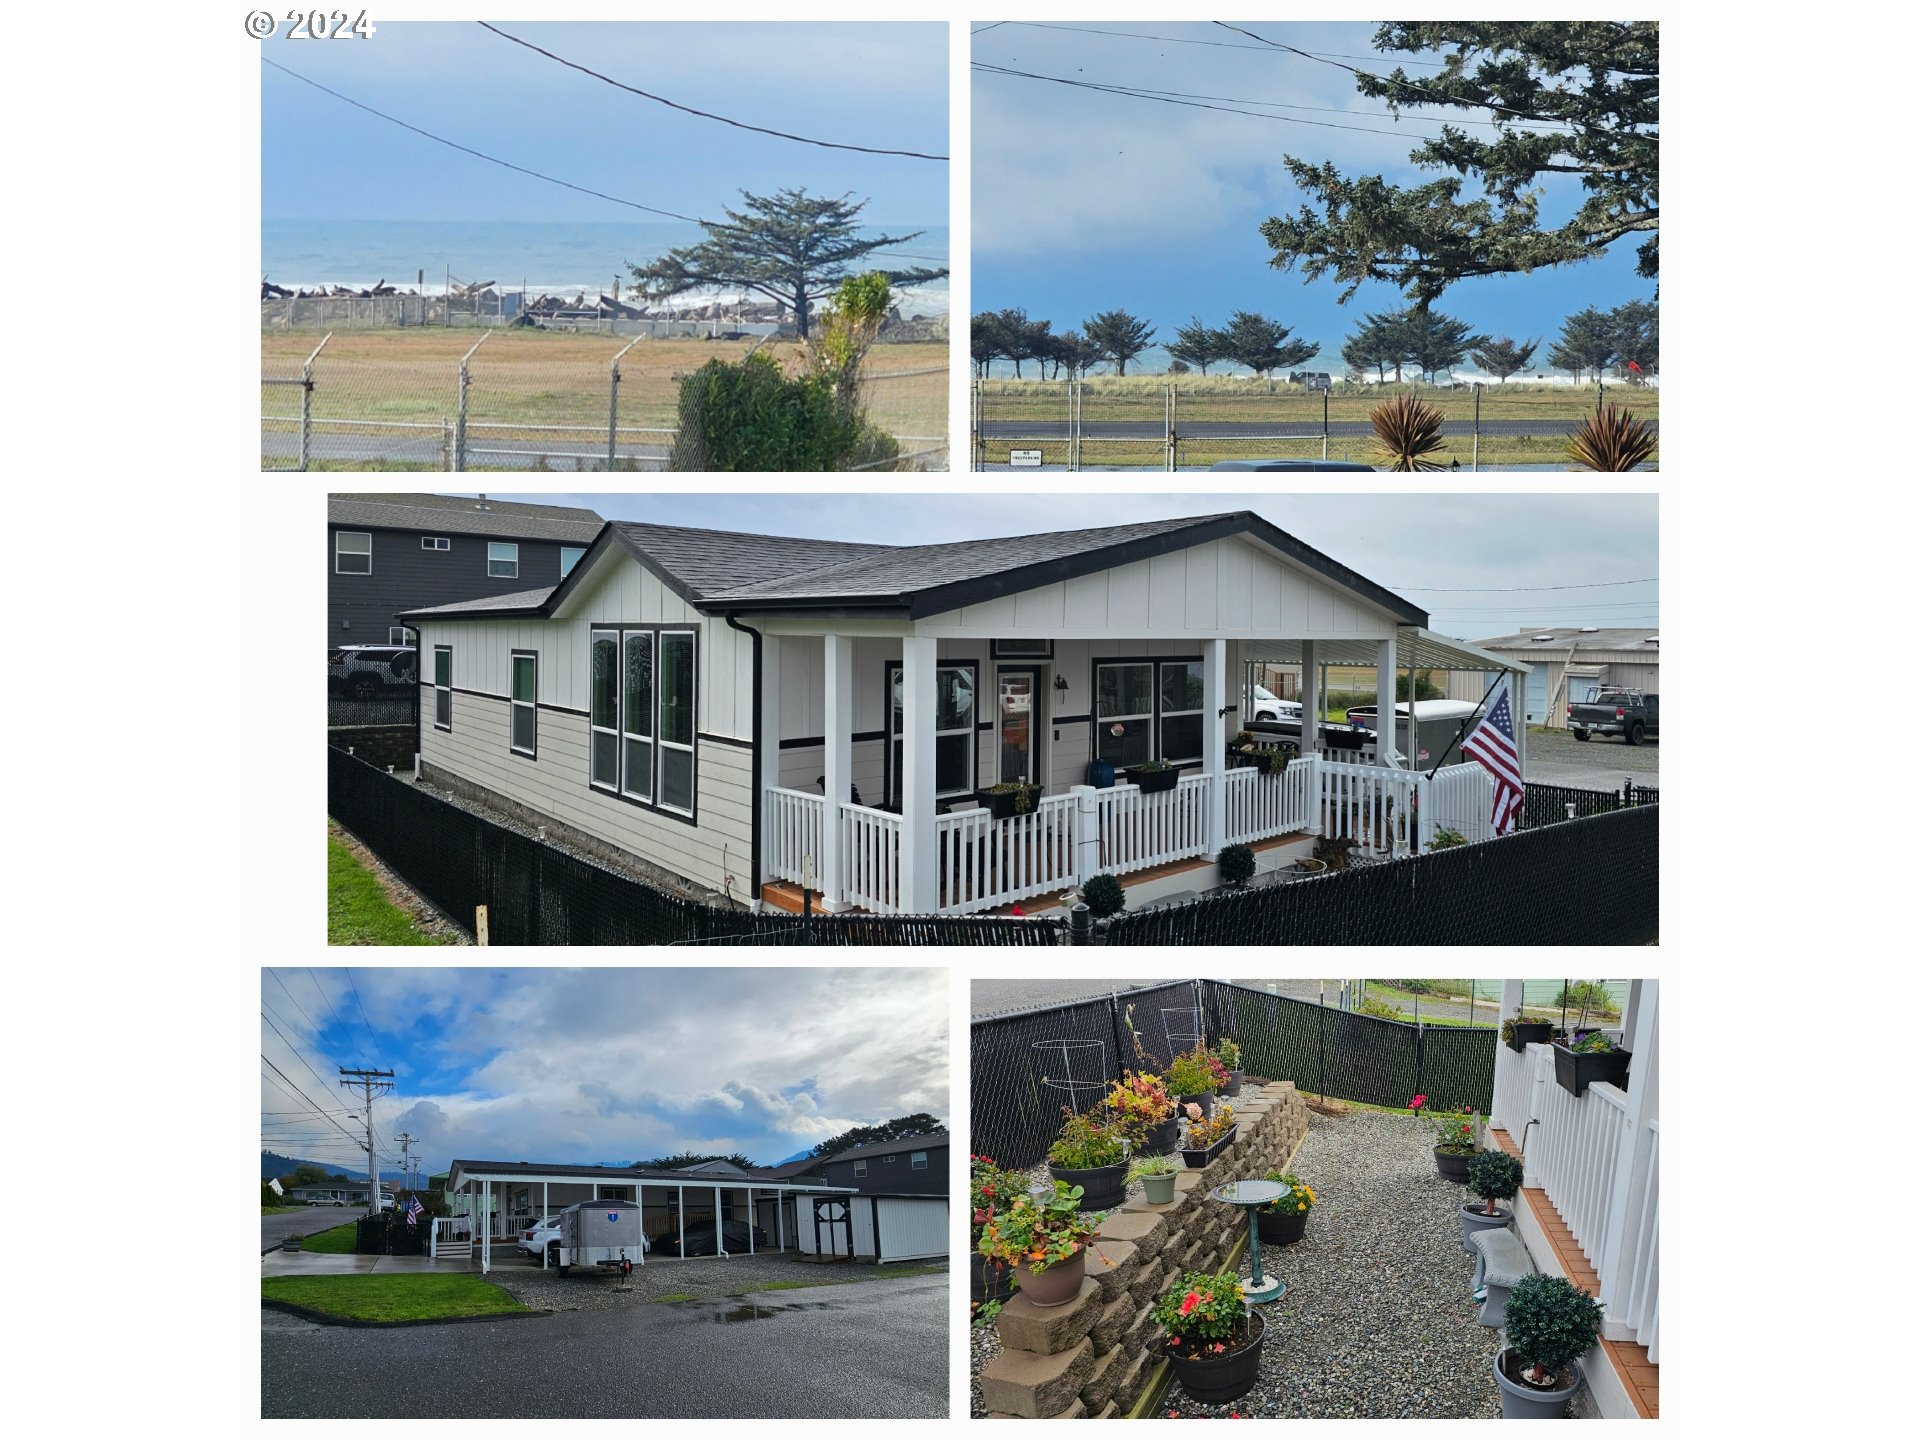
point(1086, 833)
point(1512, 996)
point(1213, 741)
point(830, 865)
point(1628, 1196)
point(770, 659)
point(780, 1220)
point(680, 1214)
point(1386, 706)
point(752, 1219)
point(486, 1226)
point(1309, 697)
point(918, 696)
point(719, 1226)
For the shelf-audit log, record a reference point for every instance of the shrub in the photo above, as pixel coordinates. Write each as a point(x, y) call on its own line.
point(1549, 1323)
point(1202, 1310)
point(1236, 864)
point(1453, 1132)
point(1408, 430)
point(1087, 1142)
point(1585, 995)
point(1195, 1073)
point(1379, 1009)
point(1611, 440)
point(749, 416)
point(1104, 896)
point(1494, 1175)
point(1140, 1102)
point(1227, 1053)
point(994, 1189)
point(1445, 839)
point(1300, 1202)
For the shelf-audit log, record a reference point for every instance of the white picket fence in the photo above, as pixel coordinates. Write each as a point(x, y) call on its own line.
point(1138, 830)
point(1458, 798)
point(1369, 805)
point(1260, 805)
point(792, 832)
point(870, 841)
point(985, 863)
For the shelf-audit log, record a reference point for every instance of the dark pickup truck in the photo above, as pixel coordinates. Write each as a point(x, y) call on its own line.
point(1627, 713)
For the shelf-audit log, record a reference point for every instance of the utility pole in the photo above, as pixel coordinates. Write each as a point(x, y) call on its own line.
point(370, 1083)
point(405, 1142)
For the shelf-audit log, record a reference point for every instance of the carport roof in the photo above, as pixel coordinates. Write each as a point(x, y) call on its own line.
point(1414, 649)
point(464, 1170)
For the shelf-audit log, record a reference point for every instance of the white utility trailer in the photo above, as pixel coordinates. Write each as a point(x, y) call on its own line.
point(606, 1233)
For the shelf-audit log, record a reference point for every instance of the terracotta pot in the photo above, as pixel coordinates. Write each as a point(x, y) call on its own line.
point(1056, 1285)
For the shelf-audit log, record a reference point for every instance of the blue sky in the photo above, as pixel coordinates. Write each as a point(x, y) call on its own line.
point(1085, 202)
point(1516, 545)
point(607, 1065)
point(881, 85)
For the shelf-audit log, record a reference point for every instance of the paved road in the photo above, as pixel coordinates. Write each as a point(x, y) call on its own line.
point(277, 448)
point(1255, 429)
point(309, 1221)
point(1554, 757)
point(873, 1349)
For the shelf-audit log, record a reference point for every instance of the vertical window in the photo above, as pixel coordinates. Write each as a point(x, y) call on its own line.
point(1182, 699)
point(636, 725)
point(675, 730)
point(503, 560)
point(954, 744)
point(397, 635)
point(859, 1169)
point(443, 687)
point(569, 557)
point(1123, 712)
point(604, 715)
point(352, 552)
point(522, 707)
point(918, 1160)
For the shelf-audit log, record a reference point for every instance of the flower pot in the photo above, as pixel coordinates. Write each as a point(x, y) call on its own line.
point(989, 1280)
point(1159, 1188)
point(1281, 1229)
point(1521, 1401)
point(1234, 1077)
point(1452, 1165)
point(292, 1242)
point(1152, 782)
point(1474, 1218)
point(1204, 1101)
point(1529, 1034)
point(1164, 1138)
point(1216, 1379)
point(1106, 1185)
point(1200, 1159)
point(1100, 774)
point(1056, 1285)
point(1576, 1071)
point(1005, 804)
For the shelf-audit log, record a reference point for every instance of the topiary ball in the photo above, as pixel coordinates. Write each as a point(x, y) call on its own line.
point(1551, 1322)
point(1494, 1175)
point(1104, 896)
point(1236, 864)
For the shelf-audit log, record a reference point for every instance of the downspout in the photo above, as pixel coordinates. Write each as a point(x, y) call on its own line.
point(758, 805)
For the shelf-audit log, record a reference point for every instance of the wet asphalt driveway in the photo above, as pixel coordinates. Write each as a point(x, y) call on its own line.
point(874, 1349)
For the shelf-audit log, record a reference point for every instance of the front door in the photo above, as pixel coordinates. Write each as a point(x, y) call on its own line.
point(1020, 724)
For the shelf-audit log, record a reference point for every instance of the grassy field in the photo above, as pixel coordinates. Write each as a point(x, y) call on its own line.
point(392, 1297)
point(338, 1240)
point(280, 1209)
point(358, 910)
point(533, 380)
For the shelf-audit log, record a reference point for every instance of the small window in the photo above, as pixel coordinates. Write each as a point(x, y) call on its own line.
point(1023, 649)
point(397, 635)
point(443, 687)
point(352, 552)
point(503, 560)
point(889, 1158)
point(523, 705)
point(859, 1169)
point(569, 557)
point(918, 1160)
point(435, 542)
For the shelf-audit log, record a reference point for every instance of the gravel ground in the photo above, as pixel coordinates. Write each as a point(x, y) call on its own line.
point(1377, 1321)
point(698, 1279)
point(1554, 757)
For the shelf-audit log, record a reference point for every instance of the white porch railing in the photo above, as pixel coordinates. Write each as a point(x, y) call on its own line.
point(870, 841)
point(452, 1237)
point(792, 833)
point(1139, 830)
point(1458, 798)
point(1369, 805)
point(1572, 1152)
point(1260, 805)
point(986, 862)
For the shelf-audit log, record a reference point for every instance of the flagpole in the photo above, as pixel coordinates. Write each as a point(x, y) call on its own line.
point(1468, 726)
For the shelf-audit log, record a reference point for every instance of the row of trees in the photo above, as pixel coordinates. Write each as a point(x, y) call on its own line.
point(1625, 339)
point(1111, 337)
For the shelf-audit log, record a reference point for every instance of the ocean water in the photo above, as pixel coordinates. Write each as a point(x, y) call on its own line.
point(554, 257)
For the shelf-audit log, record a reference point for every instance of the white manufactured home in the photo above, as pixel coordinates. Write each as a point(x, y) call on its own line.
point(752, 712)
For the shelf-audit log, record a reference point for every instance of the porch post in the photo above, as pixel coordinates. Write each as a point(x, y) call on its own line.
point(918, 695)
point(544, 1212)
point(1626, 1197)
point(830, 865)
point(770, 656)
point(1310, 732)
point(780, 1220)
point(719, 1226)
point(1386, 711)
point(751, 1219)
point(486, 1226)
point(1086, 834)
point(1213, 741)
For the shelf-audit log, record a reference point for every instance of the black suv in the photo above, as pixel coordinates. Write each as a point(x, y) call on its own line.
point(366, 672)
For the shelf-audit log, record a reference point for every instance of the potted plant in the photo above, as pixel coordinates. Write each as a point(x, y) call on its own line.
point(1091, 1153)
point(993, 1190)
point(1146, 1110)
point(1243, 750)
point(1009, 798)
point(1445, 839)
point(1516, 1034)
point(1153, 776)
point(1494, 1176)
point(1194, 1077)
point(1550, 1325)
point(1237, 864)
point(1283, 1221)
point(1228, 1054)
point(293, 1241)
point(1104, 895)
point(1156, 1174)
point(1213, 1339)
point(1588, 1057)
point(1455, 1138)
point(1204, 1136)
point(1044, 1238)
point(1272, 762)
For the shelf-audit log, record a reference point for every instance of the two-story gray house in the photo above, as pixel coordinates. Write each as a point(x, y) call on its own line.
point(917, 1166)
point(388, 553)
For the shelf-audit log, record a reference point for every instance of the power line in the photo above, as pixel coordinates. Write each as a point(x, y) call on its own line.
point(293, 1047)
point(1515, 589)
point(1316, 109)
point(324, 996)
point(1182, 40)
point(358, 1005)
point(703, 114)
point(296, 1004)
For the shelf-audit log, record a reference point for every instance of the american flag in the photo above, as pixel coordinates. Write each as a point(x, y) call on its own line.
point(1493, 745)
point(415, 1210)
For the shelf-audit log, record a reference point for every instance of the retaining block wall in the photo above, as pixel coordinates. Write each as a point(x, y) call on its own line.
point(1090, 1358)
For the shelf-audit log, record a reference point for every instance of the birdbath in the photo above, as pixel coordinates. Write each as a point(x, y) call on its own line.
point(1250, 1195)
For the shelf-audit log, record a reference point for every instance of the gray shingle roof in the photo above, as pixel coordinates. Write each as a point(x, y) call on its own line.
point(707, 562)
point(607, 1174)
point(893, 1147)
point(464, 515)
point(519, 601)
point(1604, 638)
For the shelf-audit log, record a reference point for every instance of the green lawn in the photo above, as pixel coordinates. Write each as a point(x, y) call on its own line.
point(358, 910)
point(280, 1209)
point(392, 1297)
point(338, 1240)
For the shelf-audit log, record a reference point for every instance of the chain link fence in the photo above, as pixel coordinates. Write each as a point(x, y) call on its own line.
point(1556, 804)
point(1113, 423)
point(911, 406)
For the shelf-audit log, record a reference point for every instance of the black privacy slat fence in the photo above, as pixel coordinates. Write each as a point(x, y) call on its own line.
point(537, 895)
point(1594, 881)
point(1547, 804)
point(1021, 1081)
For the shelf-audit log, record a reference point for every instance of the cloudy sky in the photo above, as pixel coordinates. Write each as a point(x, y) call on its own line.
point(1084, 201)
point(322, 159)
point(1430, 548)
point(601, 1065)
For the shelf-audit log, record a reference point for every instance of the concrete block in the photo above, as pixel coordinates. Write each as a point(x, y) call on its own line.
point(1020, 1382)
point(1111, 1323)
point(1113, 1264)
point(1110, 1411)
point(1143, 1330)
point(1106, 1370)
point(1133, 1379)
point(1047, 1330)
point(1147, 1233)
point(1150, 1282)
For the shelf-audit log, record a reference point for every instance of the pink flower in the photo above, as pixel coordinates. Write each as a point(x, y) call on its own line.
point(1417, 1102)
point(1186, 1305)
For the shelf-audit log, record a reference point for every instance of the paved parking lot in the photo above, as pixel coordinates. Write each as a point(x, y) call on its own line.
point(830, 1352)
point(1554, 757)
